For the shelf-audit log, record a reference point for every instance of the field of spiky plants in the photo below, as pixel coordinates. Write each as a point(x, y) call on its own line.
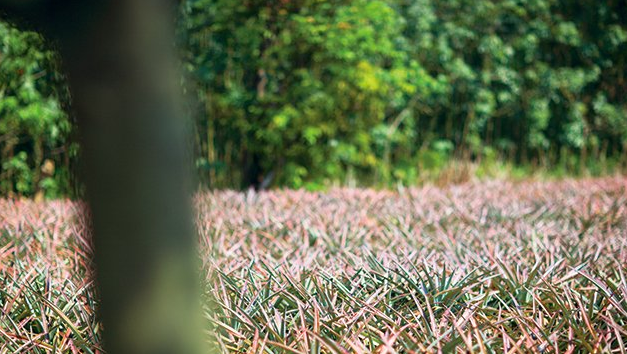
point(501, 267)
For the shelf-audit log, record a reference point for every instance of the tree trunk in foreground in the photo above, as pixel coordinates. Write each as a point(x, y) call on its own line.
point(121, 65)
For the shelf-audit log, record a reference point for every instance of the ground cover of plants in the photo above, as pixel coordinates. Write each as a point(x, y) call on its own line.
point(492, 267)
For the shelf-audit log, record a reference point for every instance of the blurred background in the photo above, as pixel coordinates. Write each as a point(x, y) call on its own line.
point(314, 93)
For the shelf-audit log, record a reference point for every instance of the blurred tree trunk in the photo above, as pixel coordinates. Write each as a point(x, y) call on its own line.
point(119, 57)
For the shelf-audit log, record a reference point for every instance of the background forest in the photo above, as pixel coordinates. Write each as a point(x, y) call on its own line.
point(309, 93)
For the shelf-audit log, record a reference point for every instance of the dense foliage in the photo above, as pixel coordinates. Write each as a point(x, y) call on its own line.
point(35, 132)
point(494, 267)
point(311, 92)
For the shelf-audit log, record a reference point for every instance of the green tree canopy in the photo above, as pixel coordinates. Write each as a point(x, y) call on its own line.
point(310, 92)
